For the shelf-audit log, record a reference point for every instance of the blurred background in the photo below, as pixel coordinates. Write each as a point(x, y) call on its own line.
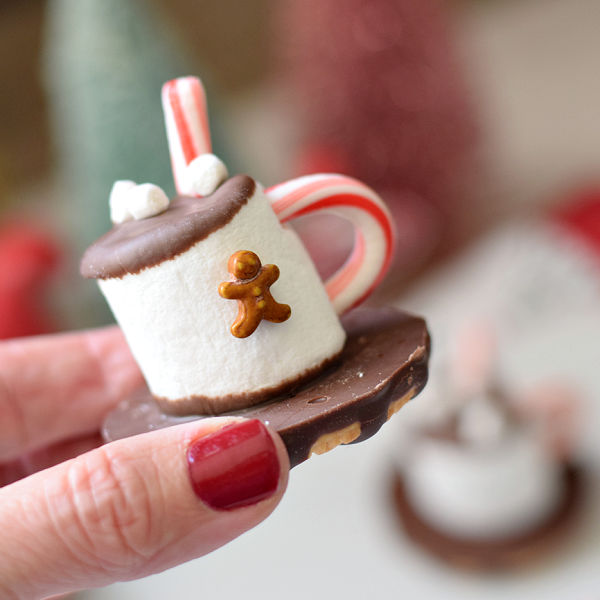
point(477, 122)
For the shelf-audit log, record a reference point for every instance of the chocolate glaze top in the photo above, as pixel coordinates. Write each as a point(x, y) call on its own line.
point(133, 246)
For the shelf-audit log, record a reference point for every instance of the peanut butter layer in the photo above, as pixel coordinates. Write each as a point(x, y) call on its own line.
point(133, 246)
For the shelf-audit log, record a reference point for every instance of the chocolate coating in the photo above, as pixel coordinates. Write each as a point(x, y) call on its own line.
point(384, 358)
point(500, 554)
point(223, 405)
point(135, 245)
point(383, 362)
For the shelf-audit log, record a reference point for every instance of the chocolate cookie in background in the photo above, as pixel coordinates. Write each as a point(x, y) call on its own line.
point(490, 481)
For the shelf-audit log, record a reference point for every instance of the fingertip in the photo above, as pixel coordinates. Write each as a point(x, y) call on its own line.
point(140, 505)
point(239, 465)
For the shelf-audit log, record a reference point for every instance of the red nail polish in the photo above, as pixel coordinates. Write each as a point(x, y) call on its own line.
point(235, 466)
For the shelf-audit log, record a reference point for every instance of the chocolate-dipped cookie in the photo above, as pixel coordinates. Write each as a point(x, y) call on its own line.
point(382, 366)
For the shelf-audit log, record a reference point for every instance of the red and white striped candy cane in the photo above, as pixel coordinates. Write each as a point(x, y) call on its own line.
point(374, 240)
point(186, 118)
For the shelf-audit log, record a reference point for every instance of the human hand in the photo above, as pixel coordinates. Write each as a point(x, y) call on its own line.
point(122, 510)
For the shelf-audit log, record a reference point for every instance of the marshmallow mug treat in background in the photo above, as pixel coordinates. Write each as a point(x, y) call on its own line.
point(490, 484)
point(223, 308)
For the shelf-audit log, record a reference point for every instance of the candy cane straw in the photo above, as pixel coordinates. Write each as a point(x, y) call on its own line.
point(186, 119)
point(375, 237)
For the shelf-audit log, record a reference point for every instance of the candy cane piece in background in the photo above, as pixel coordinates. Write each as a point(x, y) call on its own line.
point(186, 119)
point(375, 236)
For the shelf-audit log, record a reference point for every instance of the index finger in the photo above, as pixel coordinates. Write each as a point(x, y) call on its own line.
point(57, 386)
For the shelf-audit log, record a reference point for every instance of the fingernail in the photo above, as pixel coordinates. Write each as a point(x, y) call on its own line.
point(235, 466)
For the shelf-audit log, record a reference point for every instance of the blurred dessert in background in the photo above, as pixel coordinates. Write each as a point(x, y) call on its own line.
point(491, 483)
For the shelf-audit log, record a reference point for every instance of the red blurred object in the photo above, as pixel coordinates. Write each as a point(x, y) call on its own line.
point(383, 99)
point(28, 259)
point(581, 216)
point(321, 158)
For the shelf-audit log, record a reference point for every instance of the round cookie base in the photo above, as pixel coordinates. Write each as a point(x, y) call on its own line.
point(514, 553)
point(382, 366)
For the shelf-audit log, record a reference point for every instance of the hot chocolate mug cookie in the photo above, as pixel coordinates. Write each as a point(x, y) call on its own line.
point(163, 269)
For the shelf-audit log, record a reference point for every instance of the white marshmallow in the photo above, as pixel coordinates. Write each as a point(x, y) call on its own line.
point(203, 175)
point(488, 493)
point(146, 200)
point(129, 201)
point(178, 327)
point(119, 212)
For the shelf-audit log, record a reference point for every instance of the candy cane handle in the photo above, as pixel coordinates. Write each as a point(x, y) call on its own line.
point(374, 232)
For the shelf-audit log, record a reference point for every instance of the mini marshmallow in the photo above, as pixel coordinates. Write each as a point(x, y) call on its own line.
point(146, 200)
point(204, 175)
point(119, 213)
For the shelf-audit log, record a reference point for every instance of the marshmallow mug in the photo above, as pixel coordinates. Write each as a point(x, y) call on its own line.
point(220, 302)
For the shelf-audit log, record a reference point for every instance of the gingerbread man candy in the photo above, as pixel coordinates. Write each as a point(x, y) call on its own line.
point(251, 290)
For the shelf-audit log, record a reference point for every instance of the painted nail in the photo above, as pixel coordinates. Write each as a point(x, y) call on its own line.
point(235, 466)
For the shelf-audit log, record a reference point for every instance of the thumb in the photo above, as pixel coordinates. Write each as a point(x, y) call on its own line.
point(138, 506)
